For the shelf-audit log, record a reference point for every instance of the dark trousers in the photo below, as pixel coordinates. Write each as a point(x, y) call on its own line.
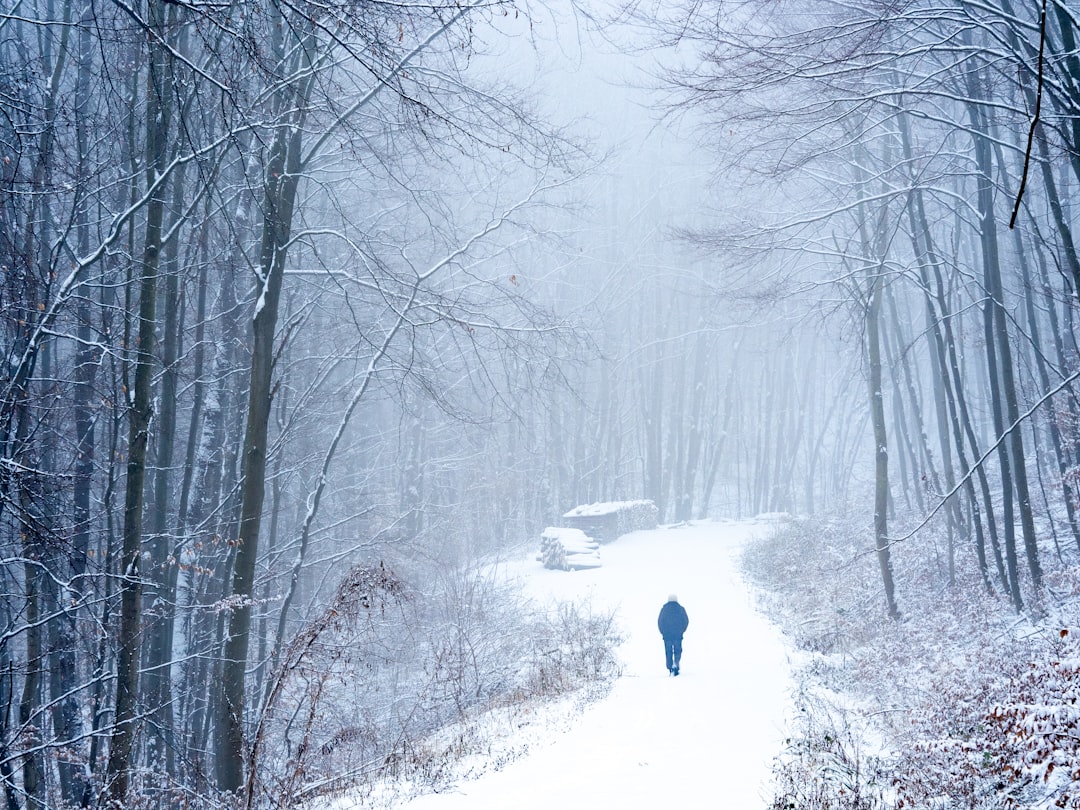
point(672, 651)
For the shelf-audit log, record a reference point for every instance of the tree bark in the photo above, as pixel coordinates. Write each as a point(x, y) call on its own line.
point(139, 414)
point(160, 598)
point(282, 176)
point(874, 252)
point(881, 450)
point(1013, 460)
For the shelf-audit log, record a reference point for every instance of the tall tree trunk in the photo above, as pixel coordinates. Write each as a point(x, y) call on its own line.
point(676, 434)
point(881, 450)
point(65, 600)
point(99, 704)
point(160, 597)
point(1071, 60)
point(922, 241)
point(716, 450)
point(872, 323)
point(953, 380)
point(33, 772)
point(1068, 413)
point(653, 410)
point(998, 332)
point(139, 414)
point(1054, 432)
point(7, 699)
point(1067, 243)
point(963, 422)
point(910, 481)
point(282, 176)
point(33, 273)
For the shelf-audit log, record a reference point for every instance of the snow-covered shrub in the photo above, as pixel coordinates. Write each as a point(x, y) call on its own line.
point(812, 572)
point(574, 645)
point(314, 706)
point(963, 703)
point(1004, 729)
point(566, 549)
point(823, 767)
point(389, 679)
point(1039, 724)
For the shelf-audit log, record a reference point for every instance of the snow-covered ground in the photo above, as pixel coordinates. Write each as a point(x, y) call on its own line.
point(654, 740)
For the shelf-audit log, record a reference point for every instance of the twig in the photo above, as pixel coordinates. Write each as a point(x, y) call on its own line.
point(1034, 118)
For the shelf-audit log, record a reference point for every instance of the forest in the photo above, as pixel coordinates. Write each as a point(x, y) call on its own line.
point(311, 308)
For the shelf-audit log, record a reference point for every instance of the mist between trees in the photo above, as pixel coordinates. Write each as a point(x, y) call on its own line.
point(299, 293)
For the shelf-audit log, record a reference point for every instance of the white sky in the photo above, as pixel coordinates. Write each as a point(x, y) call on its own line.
point(655, 741)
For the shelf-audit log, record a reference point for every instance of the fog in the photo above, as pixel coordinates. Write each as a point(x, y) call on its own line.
point(298, 295)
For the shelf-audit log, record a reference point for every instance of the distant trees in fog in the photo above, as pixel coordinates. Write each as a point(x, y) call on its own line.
point(894, 139)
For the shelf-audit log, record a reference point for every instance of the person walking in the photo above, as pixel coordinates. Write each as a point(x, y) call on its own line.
point(672, 623)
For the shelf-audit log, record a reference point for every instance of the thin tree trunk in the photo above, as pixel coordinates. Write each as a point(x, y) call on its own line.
point(922, 241)
point(910, 479)
point(64, 601)
point(33, 775)
point(282, 176)
point(872, 324)
point(1072, 65)
point(718, 446)
point(881, 451)
point(140, 410)
point(161, 593)
point(1062, 465)
point(98, 703)
point(653, 383)
point(874, 253)
point(998, 331)
point(7, 699)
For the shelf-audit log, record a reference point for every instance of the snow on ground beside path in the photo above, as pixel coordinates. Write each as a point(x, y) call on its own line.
point(655, 740)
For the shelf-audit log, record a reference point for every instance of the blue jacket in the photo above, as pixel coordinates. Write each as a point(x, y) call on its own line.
point(673, 620)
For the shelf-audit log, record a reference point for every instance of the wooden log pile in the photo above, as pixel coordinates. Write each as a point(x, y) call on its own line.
point(568, 549)
point(606, 522)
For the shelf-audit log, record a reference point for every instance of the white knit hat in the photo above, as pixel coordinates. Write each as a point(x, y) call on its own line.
point(673, 598)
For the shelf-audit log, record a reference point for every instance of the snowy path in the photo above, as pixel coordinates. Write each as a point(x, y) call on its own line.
point(657, 741)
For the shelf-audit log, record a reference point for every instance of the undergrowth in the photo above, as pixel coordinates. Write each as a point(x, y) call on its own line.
point(960, 704)
point(394, 684)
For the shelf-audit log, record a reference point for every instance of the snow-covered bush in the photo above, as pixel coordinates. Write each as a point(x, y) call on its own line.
point(575, 645)
point(566, 549)
point(823, 766)
point(1004, 728)
point(1041, 720)
point(962, 703)
point(317, 699)
point(812, 572)
point(389, 679)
